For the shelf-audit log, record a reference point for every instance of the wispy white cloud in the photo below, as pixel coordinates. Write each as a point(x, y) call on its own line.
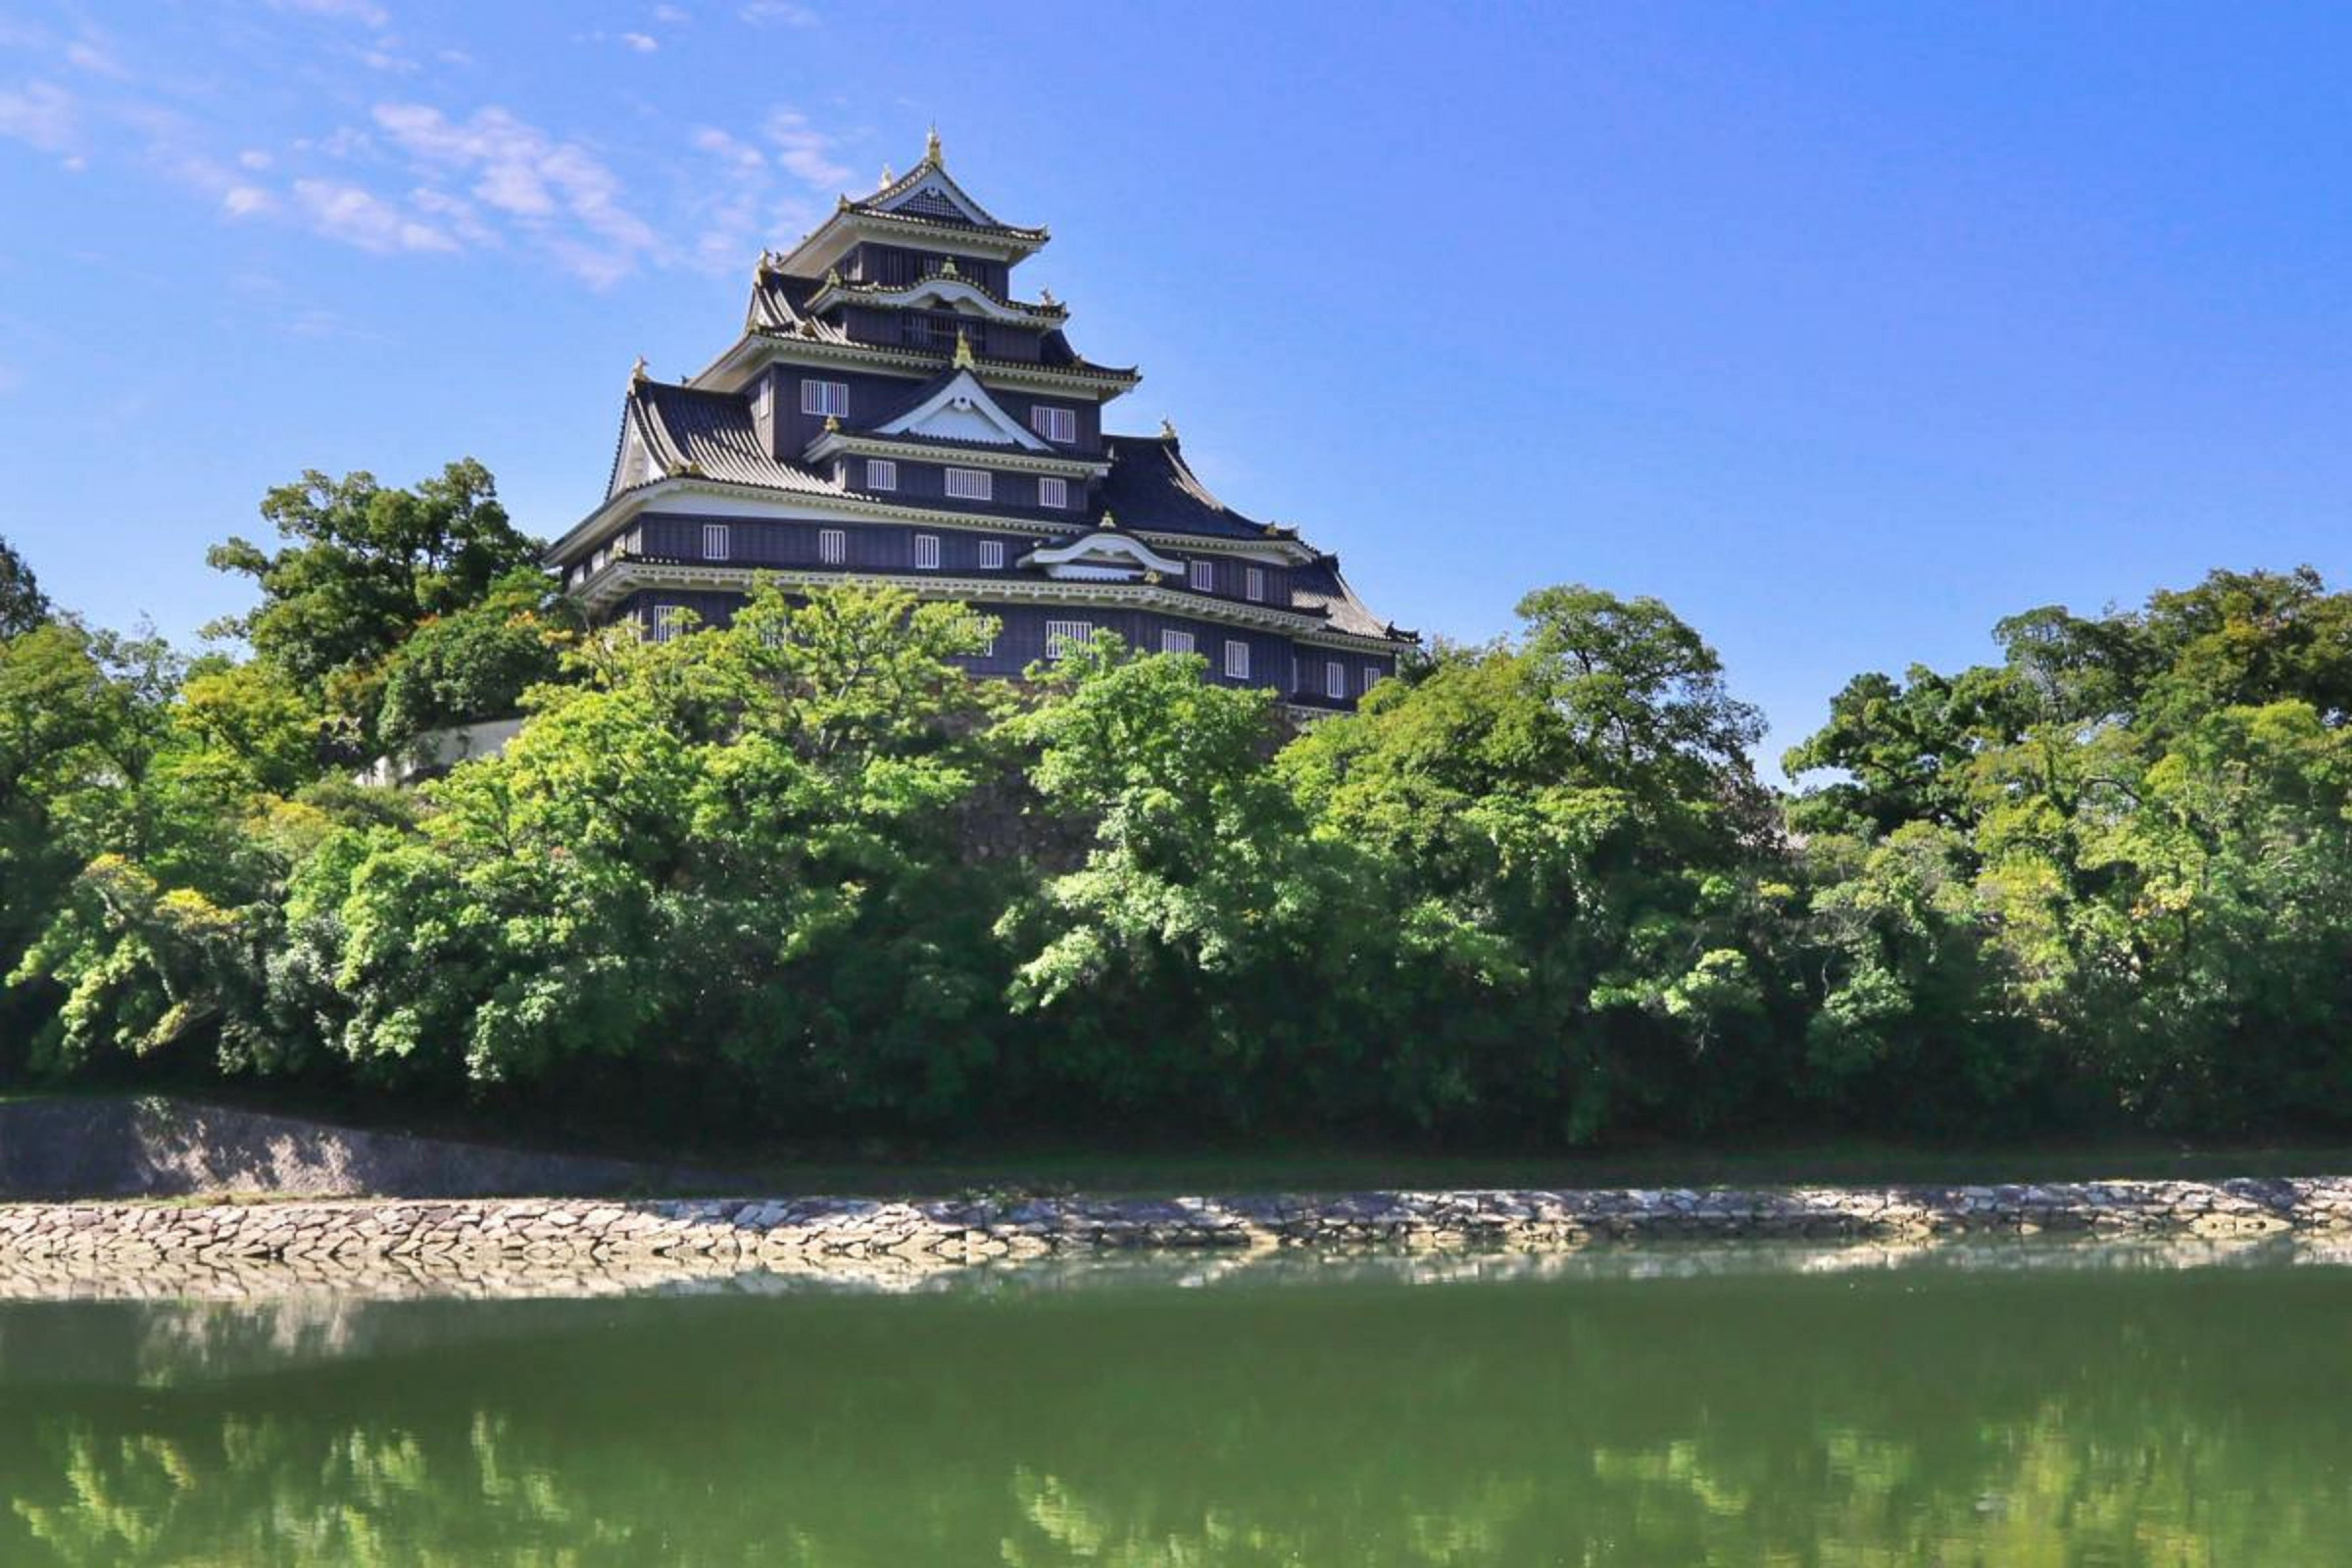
point(777, 13)
point(418, 177)
point(85, 54)
point(806, 152)
point(557, 192)
point(756, 192)
point(367, 12)
point(42, 114)
point(359, 216)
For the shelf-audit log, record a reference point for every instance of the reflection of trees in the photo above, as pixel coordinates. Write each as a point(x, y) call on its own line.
point(1815, 1422)
point(280, 1491)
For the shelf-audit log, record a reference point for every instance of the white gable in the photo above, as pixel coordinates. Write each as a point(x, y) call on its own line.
point(963, 411)
point(636, 465)
point(1102, 557)
point(934, 191)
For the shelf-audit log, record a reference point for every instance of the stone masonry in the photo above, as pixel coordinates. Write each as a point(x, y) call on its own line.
point(502, 1246)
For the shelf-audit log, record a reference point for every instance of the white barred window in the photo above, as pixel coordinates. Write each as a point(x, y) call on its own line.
point(1372, 673)
point(832, 546)
point(1237, 658)
point(1256, 583)
point(825, 397)
point(992, 555)
point(669, 622)
point(1052, 492)
point(881, 473)
point(1335, 680)
point(970, 484)
point(1054, 425)
point(1203, 576)
point(1175, 642)
point(975, 626)
point(1063, 635)
point(715, 541)
point(926, 552)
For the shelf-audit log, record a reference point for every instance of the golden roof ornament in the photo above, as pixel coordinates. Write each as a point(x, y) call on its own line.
point(946, 269)
point(887, 176)
point(832, 277)
point(1045, 297)
point(964, 350)
point(637, 372)
point(1167, 428)
point(931, 152)
point(832, 424)
point(1109, 522)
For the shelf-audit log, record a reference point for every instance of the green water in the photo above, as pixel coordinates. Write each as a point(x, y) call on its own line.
point(2010, 1408)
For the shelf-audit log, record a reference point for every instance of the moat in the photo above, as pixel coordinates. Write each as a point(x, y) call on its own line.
point(2011, 1401)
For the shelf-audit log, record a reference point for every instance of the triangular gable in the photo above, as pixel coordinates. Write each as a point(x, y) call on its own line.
point(633, 464)
point(928, 192)
point(963, 411)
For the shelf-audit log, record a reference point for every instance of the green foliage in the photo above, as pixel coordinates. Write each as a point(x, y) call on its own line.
point(366, 565)
point(477, 663)
point(724, 858)
point(803, 871)
point(1578, 815)
point(2109, 877)
point(23, 604)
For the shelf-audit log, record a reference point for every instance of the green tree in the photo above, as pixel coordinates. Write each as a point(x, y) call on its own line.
point(720, 863)
point(364, 566)
point(477, 661)
point(23, 604)
point(1583, 800)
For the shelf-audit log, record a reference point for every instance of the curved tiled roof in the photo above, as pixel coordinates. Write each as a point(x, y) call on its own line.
point(711, 433)
point(776, 306)
point(1151, 488)
point(1318, 585)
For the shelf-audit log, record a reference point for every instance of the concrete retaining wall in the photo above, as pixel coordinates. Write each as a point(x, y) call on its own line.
point(155, 1147)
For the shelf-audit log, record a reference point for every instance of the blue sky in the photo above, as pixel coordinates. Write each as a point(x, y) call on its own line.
point(1845, 329)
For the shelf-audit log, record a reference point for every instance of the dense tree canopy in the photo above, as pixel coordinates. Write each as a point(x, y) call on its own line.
point(23, 604)
point(364, 568)
point(803, 873)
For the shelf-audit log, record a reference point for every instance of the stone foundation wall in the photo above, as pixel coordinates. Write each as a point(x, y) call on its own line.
point(500, 1246)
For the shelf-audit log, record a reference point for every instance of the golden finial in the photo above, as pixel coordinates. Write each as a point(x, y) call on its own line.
point(842, 203)
point(1152, 577)
point(1109, 522)
point(964, 350)
point(1045, 297)
point(946, 269)
point(1168, 430)
point(832, 422)
point(887, 177)
point(637, 370)
point(832, 277)
point(931, 153)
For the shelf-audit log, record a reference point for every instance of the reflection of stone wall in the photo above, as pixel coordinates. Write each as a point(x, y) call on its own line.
point(505, 1246)
point(160, 1147)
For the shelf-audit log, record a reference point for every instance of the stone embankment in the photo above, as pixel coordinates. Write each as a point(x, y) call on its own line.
point(501, 1244)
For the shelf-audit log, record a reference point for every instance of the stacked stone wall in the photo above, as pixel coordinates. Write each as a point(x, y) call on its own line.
point(59, 1248)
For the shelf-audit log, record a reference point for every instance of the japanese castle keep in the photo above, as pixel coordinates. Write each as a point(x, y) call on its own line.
point(893, 410)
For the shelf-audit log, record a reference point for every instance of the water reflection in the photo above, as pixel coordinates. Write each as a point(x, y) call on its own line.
point(2058, 1409)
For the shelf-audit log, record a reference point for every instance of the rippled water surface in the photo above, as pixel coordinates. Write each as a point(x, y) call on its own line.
point(2012, 1407)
